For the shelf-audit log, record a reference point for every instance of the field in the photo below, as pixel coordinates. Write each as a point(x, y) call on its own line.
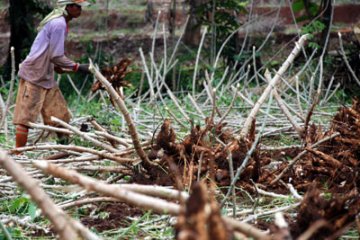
point(169, 141)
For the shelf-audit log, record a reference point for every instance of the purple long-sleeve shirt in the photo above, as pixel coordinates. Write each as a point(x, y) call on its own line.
point(46, 51)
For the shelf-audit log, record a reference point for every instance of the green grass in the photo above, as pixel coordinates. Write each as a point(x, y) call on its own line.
point(352, 233)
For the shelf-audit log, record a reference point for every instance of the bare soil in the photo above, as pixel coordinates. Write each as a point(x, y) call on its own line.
point(118, 216)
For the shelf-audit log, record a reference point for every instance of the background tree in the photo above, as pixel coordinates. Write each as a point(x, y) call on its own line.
point(318, 14)
point(192, 34)
point(22, 15)
point(221, 17)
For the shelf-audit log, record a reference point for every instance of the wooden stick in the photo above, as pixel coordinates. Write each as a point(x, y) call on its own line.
point(149, 190)
point(272, 211)
point(97, 126)
point(112, 137)
point(91, 184)
point(176, 102)
point(175, 118)
point(346, 60)
point(231, 105)
point(50, 128)
point(74, 86)
point(294, 192)
point(2, 111)
point(74, 148)
point(152, 53)
point(197, 61)
point(247, 229)
point(294, 160)
point(99, 168)
point(58, 217)
point(196, 106)
point(156, 191)
point(86, 201)
point(84, 135)
point(151, 87)
point(298, 98)
point(12, 81)
point(136, 199)
point(122, 107)
point(283, 108)
point(245, 130)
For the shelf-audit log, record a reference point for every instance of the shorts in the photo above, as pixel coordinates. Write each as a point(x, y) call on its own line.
point(33, 100)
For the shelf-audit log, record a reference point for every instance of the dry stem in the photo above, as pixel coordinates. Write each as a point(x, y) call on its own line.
point(247, 125)
point(84, 135)
point(91, 184)
point(294, 160)
point(77, 149)
point(58, 218)
point(283, 108)
point(135, 199)
point(122, 107)
point(12, 81)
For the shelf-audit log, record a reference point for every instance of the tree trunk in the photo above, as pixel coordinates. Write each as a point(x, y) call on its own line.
point(192, 34)
point(22, 31)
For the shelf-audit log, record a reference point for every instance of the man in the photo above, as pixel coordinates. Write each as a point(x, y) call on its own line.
point(38, 92)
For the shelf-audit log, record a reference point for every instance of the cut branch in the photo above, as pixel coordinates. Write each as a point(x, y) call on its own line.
point(77, 149)
point(136, 199)
point(247, 125)
point(283, 108)
point(84, 135)
point(91, 184)
point(63, 224)
point(122, 107)
point(294, 160)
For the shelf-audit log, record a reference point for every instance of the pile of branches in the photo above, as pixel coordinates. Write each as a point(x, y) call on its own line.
point(331, 167)
point(205, 153)
point(208, 157)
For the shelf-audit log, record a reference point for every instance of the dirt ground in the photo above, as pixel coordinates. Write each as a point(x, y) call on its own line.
point(118, 215)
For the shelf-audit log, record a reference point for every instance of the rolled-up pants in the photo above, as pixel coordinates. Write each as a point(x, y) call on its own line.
point(33, 100)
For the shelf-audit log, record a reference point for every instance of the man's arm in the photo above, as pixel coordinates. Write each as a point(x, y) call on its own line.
point(57, 55)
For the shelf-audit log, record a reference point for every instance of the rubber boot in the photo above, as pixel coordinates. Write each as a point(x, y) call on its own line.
point(21, 137)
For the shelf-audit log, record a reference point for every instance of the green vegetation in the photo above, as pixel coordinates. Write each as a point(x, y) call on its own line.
point(312, 29)
point(221, 17)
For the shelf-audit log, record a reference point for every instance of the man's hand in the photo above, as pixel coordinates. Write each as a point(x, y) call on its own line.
point(84, 68)
point(58, 70)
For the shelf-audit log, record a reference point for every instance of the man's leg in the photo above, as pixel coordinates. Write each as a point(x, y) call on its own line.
point(29, 102)
point(55, 105)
